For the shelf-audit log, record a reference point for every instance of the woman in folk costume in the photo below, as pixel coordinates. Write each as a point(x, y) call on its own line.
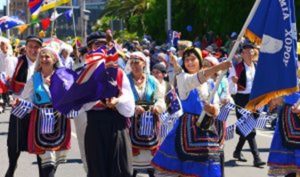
point(8, 64)
point(149, 100)
point(52, 142)
point(285, 147)
point(189, 150)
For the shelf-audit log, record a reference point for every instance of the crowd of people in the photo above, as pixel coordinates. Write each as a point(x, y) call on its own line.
point(135, 130)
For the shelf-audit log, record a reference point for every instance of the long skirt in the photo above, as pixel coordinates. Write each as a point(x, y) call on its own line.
point(107, 144)
point(167, 160)
point(282, 160)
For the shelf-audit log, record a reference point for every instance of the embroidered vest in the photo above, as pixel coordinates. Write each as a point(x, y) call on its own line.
point(40, 95)
point(20, 75)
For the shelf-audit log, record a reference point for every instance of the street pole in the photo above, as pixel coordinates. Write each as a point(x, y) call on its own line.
point(169, 12)
point(7, 14)
point(83, 20)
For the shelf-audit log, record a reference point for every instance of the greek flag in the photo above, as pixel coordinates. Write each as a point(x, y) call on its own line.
point(22, 108)
point(164, 117)
point(224, 112)
point(246, 124)
point(146, 126)
point(244, 112)
point(47, 120)
point(165, 129)
point(262, 121)
point(72, 114)
point(230, 132)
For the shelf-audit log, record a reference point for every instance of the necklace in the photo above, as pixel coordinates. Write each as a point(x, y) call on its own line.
point(139, 82)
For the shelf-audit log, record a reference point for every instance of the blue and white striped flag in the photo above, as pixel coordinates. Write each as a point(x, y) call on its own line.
point(246, 124)
point(164, 117)
point(165, 129)
point(47, 120)
point(72, 114)
point(224, 112)
point(146, 126)
point(244, 112)
point(262, 120)
point(22, 108)
point(230, 132)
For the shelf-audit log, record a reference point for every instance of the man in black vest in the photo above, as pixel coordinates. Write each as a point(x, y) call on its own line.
point(245, 72)
point(18, 128)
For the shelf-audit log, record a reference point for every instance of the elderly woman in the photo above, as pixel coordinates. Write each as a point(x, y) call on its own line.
point(65, 59)
point(51, 146)
point(191, 150)
point(150, 103)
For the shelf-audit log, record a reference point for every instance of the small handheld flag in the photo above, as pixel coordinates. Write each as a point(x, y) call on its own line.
point(22, 108)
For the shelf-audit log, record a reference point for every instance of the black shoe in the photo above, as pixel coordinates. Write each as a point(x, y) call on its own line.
point(258, 162)
point(239, 156)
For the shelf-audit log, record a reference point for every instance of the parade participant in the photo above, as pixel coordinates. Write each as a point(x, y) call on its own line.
point(7, 67)
point(18, 129)
point(65, 59)
point(107, 142)
point(94, 41)
point(149, 99)
point(244, 77)
point(50, 146)
point(176, 155)
point(285, 145)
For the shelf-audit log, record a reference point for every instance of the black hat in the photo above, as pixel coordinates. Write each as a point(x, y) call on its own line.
point(248, 45)
point(160, 67)
point(34, 38)
point(95, 36)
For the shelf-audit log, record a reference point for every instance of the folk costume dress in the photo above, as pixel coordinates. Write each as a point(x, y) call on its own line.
point(285, 147)
point(189, 150)
point(18, 128)
point(144, 145)
point(51, 147)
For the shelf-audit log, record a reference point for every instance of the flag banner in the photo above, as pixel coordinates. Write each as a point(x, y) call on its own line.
point(45, 23)
point(35, 8)
point(164, 117)
point(50, 4)
point(261, 121)
point(68, 14)
point(96, 55)
point(22, 28)
point(244, 112)
point(72, 114)
point(224, 111)
point(94, 83)
point(274, 28)
point(173, 102)
point(173, 37)
point(7, 22)
point(165, 129)
point(3, 78)
point(246, 124)
point(55, 15)
point(230, 131)
point(22, 108)
point(146, 126)
point(47, 120)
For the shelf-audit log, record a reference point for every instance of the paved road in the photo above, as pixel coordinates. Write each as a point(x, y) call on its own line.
point(73, 168)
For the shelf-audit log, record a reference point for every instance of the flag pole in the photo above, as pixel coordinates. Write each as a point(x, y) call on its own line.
point(232, 53)
point(74, 28)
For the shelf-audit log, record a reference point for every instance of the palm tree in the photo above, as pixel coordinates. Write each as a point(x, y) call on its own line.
point(124, 9)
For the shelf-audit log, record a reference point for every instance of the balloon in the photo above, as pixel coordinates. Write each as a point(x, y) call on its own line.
point(189, 28)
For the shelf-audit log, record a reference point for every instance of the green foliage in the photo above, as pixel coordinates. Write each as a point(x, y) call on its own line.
point(149, 16)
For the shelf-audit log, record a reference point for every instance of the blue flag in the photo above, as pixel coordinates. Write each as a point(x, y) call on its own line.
point(7, 22)
point(274, 27)
point(68, 14)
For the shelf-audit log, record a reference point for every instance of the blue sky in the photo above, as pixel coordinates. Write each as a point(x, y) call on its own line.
point(2, 3)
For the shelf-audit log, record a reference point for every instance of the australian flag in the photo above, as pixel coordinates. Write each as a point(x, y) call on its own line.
point(47, 120)
point(246, 124)
point(7, 22)
point(173, 104)
point(146, 126)
point(22, 108)
point(173, 37)
point(96, 55)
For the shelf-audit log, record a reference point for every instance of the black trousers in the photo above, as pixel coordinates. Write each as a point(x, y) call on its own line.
point(16, 141)
point(107, 145)
point(242, 100)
